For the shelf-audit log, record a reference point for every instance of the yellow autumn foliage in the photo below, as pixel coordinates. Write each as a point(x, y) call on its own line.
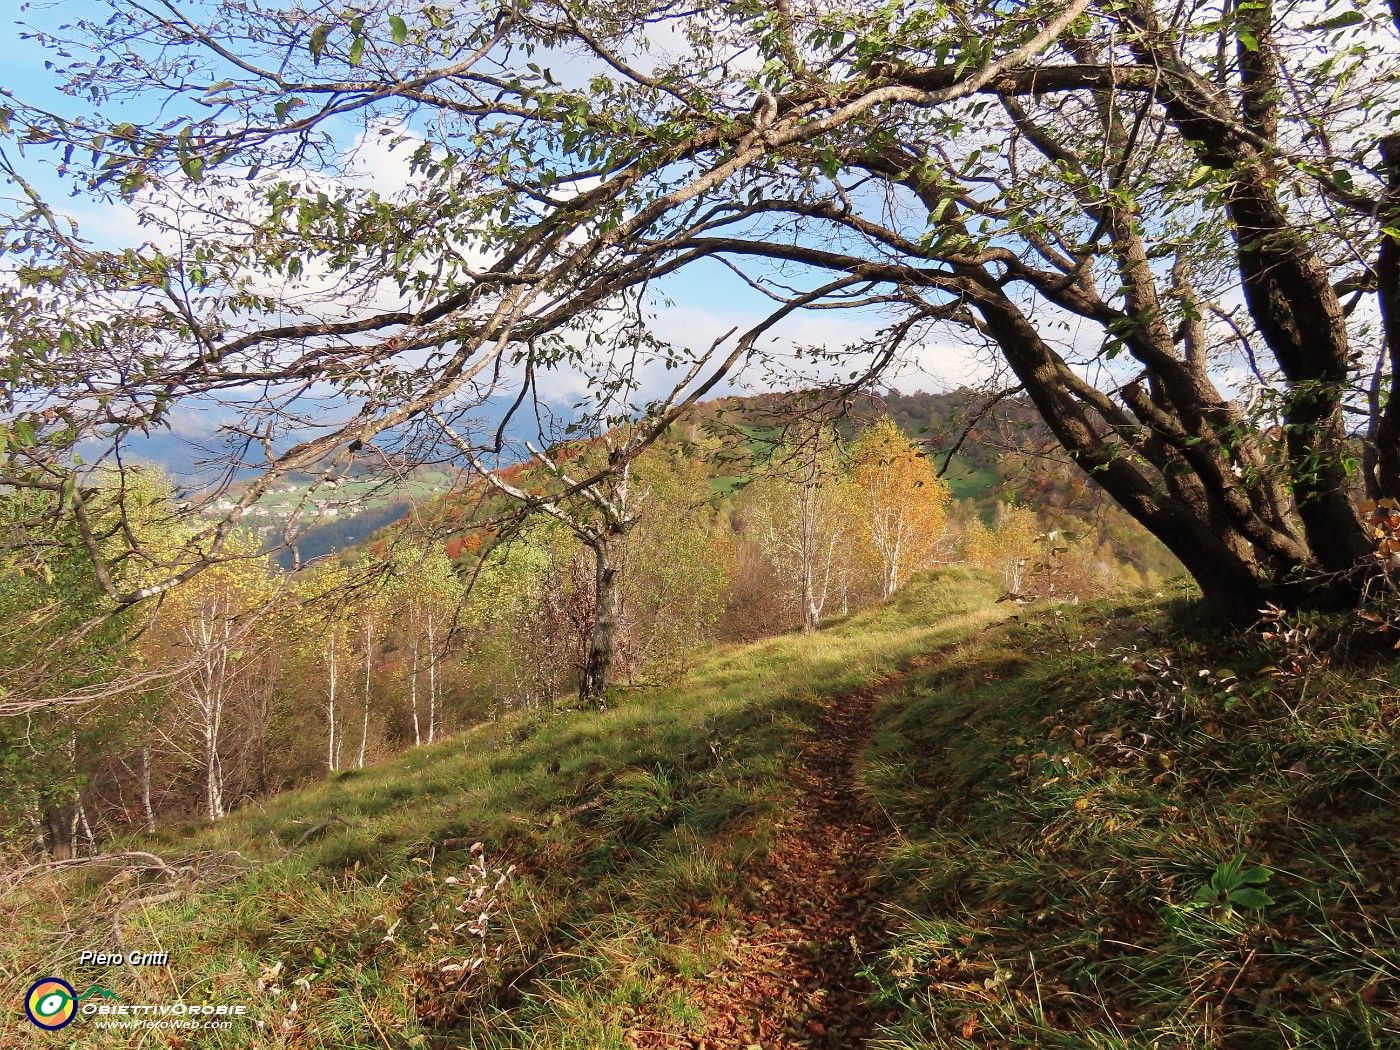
point(903, 502)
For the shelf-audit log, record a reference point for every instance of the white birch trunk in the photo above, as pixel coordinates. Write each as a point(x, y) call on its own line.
point(369, 666)
point(146, 807)
point(332, 739)
point(432, 681)
point(413, 692)
point(206, 691)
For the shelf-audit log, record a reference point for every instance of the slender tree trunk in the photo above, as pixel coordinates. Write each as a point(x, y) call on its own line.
point(432, 681)
point(811, 608)
point(146, 807)
point(413, 691)
point(822, 594)
point(332, 741)
point(369, 666)
point(213, 764)
point(604, 636)
point(210, 637)
point(213, 771)
point(83, 822)
point(892, 562)
point(1387, 428)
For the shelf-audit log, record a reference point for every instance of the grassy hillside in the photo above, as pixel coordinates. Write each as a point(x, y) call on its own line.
point(1118, 829)
point(1058, 833)
point(606, 903)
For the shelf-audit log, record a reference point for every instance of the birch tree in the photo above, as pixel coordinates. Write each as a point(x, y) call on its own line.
point(803, 509)
point(902, 501)
point(211, 623)
point(426, 596)
point(367, 614)
point(321, 618)
point(1007, 548)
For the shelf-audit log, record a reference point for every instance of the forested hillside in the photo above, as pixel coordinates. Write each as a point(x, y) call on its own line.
point(738, 525)
point(988, 451)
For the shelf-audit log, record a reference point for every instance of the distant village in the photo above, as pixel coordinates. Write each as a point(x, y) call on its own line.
point(279, 503)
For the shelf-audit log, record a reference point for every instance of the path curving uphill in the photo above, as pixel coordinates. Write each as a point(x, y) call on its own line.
point(793, 974)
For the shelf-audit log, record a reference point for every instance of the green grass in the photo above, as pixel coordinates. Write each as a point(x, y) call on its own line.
point(966, 480)
point(627, 861)
point(1057, 879)
point(1050, 885)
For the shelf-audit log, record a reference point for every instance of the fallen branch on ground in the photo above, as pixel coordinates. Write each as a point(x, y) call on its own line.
point(334, 818)
point(130, 860)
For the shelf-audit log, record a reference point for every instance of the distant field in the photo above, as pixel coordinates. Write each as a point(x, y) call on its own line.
point(344, 516)
point(366, 491)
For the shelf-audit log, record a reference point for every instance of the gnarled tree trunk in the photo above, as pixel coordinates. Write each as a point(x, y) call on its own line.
point(603, 638)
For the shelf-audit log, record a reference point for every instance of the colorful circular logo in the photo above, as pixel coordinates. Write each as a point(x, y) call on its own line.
point(51, 1003)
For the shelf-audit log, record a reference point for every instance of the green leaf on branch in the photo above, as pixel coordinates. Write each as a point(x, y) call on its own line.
point(317, 46)
point(398, 28)
point(284, 107)
point(1341, 21)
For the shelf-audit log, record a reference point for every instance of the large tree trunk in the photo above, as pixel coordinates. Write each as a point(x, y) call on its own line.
point(1252, 523)
point(603, 639)
point(58, 824)
point(1227, 579)
point(1290, 297)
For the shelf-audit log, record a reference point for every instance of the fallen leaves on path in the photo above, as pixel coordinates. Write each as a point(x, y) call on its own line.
point(792, 978)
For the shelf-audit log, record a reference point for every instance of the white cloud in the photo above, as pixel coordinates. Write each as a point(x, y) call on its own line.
point(381, 159)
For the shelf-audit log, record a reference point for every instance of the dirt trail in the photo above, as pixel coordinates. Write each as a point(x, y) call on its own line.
point(792, 977)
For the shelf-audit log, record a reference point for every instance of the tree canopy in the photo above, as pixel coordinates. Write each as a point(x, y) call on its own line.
point(1177, 226)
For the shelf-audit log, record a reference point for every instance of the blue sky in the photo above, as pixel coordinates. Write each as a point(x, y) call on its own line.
point(708, 298)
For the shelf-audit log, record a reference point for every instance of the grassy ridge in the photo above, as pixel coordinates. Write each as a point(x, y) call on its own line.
point(628, 860)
